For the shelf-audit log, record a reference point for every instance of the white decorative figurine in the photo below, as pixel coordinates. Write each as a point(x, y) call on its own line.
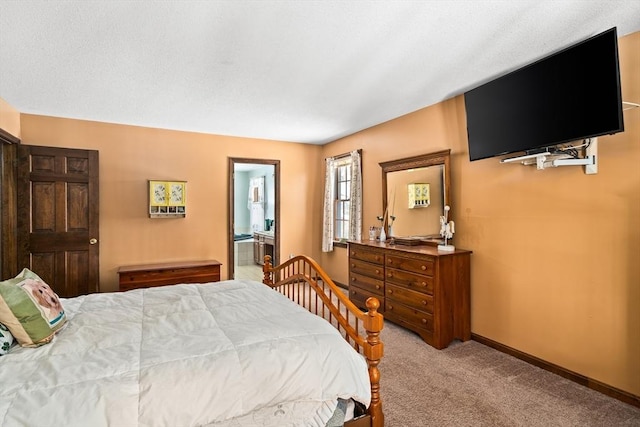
point(447, 228)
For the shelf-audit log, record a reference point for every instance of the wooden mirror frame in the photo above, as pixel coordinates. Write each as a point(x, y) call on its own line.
point(432, 159)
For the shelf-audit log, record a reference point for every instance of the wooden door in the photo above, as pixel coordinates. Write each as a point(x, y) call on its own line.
point(58, 217)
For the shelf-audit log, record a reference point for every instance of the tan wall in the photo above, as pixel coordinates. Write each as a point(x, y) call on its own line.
point(422, 132)
point(129, 156)
point(9, 118)
point(555, 264)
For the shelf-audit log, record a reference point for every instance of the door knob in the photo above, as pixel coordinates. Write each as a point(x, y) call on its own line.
point(93, 241)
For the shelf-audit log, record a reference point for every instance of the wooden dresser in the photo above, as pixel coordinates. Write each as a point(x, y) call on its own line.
point(168, 273)
point(419, 287)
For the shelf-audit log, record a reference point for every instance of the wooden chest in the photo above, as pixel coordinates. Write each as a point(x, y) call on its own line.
point(168, 273)
point(419, 287)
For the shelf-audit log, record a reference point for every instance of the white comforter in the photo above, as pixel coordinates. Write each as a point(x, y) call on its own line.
point(232, 353)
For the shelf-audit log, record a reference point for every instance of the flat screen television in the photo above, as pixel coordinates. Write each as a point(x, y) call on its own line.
point(568, 96)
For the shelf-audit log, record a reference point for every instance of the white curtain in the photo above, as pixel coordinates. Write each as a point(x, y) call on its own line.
point(327, 212)
point(256, 203)
point(355, 210)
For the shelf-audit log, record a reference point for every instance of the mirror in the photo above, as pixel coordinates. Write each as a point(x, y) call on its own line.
point(416, 206)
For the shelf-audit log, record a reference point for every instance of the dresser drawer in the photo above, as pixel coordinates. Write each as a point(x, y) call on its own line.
point(410, 316)
point(366, 269)
point(416, 282)
point(372, 285)
point(366, 255)
point(422, 266)
point(359, 297)
point(417, 300)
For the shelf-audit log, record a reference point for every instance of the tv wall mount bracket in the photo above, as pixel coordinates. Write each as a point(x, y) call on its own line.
point(552, 157)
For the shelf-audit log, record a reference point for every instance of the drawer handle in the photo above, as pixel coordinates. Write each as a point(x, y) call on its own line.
point(389, 274)
point(424, 321)
point(390, 291)
point(377, 286)
point(353, 279)
point(353, 252)
point(390, 307)
point(353, 266)
point(377, 258)
point(424, 283)
point(424, 267)
point(377, 271)
point(424, 302)
point(390, 261)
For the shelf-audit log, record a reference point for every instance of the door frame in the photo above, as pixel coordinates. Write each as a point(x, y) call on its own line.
point(8, 205)
point(231, 208)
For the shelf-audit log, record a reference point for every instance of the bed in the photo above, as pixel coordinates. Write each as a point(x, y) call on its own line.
point(231, 353)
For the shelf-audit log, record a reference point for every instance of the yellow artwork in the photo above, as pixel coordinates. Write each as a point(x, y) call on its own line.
point(158, 193)
point(167, 199)
point(419, 195)
point(176, 194)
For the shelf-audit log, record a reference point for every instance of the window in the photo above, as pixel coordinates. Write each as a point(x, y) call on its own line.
point(343, 200)
point(342, 213)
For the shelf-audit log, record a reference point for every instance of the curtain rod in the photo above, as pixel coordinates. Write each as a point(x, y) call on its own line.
point(340, 156)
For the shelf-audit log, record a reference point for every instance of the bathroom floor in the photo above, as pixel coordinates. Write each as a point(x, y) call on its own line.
point(249, 272)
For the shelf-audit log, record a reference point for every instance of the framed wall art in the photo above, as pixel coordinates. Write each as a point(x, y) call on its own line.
point(419, 195)
point(167, 199)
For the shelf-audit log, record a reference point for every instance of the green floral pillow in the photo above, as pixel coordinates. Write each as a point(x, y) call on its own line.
point(6, 340)
point(30, 309)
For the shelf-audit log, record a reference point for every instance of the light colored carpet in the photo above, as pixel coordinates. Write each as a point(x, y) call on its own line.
point(470, 384)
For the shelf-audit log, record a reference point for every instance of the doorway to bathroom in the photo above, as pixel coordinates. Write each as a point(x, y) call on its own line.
point(254, 216)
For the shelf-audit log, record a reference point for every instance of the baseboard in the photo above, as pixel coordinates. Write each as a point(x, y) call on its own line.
point(608, 390)
point(341, 285)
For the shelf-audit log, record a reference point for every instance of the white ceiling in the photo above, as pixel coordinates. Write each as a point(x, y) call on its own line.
point(302, 71)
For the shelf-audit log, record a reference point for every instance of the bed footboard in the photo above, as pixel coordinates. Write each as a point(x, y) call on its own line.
point(302, 280)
